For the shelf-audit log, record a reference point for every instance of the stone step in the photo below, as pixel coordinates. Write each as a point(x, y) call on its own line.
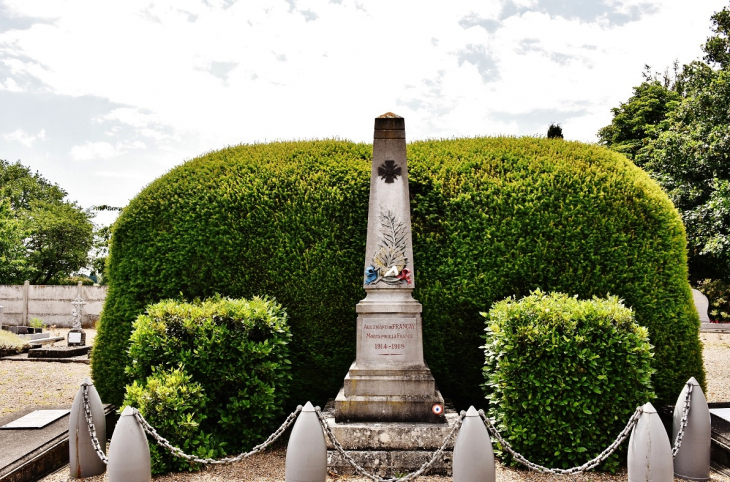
point(390, 448)
point(44, 341)
point(35, 336)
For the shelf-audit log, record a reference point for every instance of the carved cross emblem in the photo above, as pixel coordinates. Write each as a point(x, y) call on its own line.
point(389, 171)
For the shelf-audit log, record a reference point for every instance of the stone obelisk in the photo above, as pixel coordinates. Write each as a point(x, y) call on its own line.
point(389, 380)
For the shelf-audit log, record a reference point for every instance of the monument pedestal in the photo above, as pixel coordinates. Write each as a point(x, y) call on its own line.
point(390, 448)
point(389, 380)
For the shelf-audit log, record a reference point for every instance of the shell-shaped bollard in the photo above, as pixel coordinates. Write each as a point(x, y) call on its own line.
point(129, 453)
point(306, 454)
point(83, 459)
point(693, 458)
point(473, 454)
point(650, 454)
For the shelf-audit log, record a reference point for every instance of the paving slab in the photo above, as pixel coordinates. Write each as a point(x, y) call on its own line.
point(29, 454)
point(714, 327)
point(24, 357)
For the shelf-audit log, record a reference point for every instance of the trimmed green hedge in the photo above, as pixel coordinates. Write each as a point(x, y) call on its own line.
point(492, 218)
point(212, 377)
point(563, 375)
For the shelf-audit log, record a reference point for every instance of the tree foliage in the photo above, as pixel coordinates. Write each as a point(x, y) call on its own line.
point(43, 238)
point(555, 132)
point(679, 131)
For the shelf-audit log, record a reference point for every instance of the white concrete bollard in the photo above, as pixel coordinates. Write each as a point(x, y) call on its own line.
point(306, 454)
point(83, 459)
point(473, 454)
point(129, 453)
point(693, 458)
point(650, 453)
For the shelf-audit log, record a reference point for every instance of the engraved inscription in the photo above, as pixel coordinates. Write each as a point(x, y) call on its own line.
point(391, 338)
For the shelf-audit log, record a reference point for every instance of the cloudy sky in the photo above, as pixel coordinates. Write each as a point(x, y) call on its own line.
point(104, 97)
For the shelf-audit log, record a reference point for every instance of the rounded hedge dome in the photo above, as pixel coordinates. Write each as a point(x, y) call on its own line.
point(491, 218)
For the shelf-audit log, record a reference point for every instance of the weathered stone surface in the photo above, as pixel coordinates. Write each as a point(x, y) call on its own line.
point(389, 380)
point(391, 448)
point(702, 304)
point(58, 351)
point(398, 436)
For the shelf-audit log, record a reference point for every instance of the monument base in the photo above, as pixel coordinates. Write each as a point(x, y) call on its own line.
point(390, 448)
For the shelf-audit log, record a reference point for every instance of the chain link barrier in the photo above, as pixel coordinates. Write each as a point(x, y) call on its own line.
point(685, 419)
point(591, 464)
point(163, 442)
point(427, 465)
point(90, 424)
point(574, 470)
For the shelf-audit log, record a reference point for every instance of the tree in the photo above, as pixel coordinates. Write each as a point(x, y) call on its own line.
point(60, 239)
point(679, 131)
point(641, 119)
point(43, 238)
point(555, 131)
point(12, 251)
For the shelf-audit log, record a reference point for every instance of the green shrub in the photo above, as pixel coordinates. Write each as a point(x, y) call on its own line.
point(74, 280)
point(176, 407)
point(230, 355)
point(718, 294)
point(36, 323)
point(564, 376)
point(12, 344)
point(491, 218)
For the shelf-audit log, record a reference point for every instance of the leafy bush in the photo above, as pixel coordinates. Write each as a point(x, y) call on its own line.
point(12, 344)
point(491, 218)
point(564, 375)
point(176, 406)
point(718, 294)
point(74, 280)
point(231, 378)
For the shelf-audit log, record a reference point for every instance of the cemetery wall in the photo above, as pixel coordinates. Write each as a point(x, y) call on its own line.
point(50, 303)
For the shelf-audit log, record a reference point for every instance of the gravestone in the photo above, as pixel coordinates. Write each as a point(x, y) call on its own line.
point(77, 336)
point(702, 304)
point(389, 380)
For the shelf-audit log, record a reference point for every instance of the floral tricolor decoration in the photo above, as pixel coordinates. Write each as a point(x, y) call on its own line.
point(389, 261)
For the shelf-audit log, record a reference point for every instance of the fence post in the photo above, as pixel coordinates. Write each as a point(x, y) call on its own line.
point(693, 458)
point(83, 459)
point(650, 454)
point(129, 453)
point(473, 454)
point(26, 295)
point(306, 454)
point(2, 316)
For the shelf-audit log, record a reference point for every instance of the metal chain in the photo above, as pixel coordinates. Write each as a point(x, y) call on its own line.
point(90, 424)
point(574, 470)
point(227, 460)
point(685, 419)
point(427, 465)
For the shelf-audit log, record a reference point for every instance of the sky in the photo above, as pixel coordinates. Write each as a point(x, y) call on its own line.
point(104, 97)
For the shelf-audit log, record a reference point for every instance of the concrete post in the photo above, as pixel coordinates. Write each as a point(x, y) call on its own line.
point(473, 454)
point(693, 458)
point(2, 316)
point(650, 454)
point(129, 453)
point(26, 294)
point(306, 454)
point(83, 459)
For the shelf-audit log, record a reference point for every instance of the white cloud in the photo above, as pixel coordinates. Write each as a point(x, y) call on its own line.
point(25, 139)
point(92, 151)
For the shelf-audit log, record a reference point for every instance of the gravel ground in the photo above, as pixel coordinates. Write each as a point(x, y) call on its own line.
point(56, 383)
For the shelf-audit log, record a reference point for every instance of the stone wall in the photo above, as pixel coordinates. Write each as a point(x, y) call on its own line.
point(50, 303)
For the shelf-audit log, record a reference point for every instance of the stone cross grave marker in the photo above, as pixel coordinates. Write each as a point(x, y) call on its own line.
point(77, 336)
point(389, 380)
